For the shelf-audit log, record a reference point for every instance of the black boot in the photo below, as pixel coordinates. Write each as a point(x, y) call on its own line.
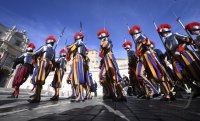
point(36, 99)
point(12, 96)
point(32, 96)
point(156, 95)
point(52, 98)
point(15, 93)
point(55, 98)
point(172, 97)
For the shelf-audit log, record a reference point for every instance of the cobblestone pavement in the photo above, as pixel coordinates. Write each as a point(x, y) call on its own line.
point(98, 110)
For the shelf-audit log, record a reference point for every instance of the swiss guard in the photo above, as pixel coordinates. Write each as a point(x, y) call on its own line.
point(78, 51)
point(137, 85)
point(46, 54)
point(185, 64)
point(24, 70)
point(109, 75)
point(60, 66)
point(194, 29)
point(148, 66)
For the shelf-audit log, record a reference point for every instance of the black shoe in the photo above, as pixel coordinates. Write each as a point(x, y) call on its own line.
point(122, 99)
point(12, 96)
point(55, 98)
point(34, 100)
point(143, 97)
point(148, 97)
point(156, 95)
point(195, 94)
point(140, 95)
point(32, 96)
point(52, 98)
point(172, 97)
point(73, 97)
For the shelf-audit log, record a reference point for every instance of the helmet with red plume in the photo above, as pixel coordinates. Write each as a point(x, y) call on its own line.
point(135, 30)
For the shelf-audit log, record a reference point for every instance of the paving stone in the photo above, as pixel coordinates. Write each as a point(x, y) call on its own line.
point(106, 114)
point(103, 119)
point(146, 116)
point(93, 110)
point(83, 118)
point(172, 119)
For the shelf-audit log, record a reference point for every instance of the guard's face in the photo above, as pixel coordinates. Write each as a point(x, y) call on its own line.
point(62, 54)
point(195, 32)
point(128, 47)
point(79, 38)
point(103, 37)
point(135, 35)
point(29, 49)
point(50, 42)
point(164, 34)
point(152, 46)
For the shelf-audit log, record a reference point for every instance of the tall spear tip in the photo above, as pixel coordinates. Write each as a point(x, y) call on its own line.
point(155, 24)
point(125, 38)
point(128, 26)
point(62, 32)
point(177, 18)
point(81, 27)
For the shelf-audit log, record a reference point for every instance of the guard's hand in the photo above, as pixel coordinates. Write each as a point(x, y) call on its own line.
point(166, 61)
point(151, 50)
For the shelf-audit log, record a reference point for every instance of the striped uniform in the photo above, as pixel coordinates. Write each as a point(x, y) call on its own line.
point(185, 63)
point(59, 73)
point(109, 70)
point(78, 74)
point(149, 67)
point(45, 64)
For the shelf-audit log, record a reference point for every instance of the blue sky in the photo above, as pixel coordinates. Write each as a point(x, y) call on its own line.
point(41, 18)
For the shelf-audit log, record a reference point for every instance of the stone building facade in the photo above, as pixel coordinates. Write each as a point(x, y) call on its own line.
point(12, 44)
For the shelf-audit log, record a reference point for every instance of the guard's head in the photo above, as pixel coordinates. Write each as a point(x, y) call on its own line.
point(30, 47)
point(127, 45)
point(135, 30)
point(193, 28)
point(164, 29)
point(51, 40)
point(63, 53)
point(78, 36)
point(103, 34)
